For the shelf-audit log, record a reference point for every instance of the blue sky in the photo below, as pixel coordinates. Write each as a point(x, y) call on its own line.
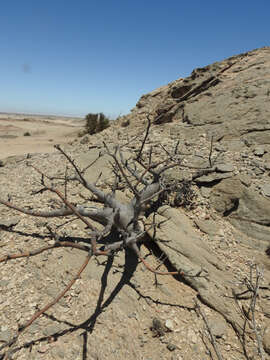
point(74, 57)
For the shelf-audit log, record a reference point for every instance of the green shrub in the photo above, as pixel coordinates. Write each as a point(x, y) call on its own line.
point(96, 123)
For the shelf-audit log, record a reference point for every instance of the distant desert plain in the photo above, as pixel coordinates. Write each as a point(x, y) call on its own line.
point(23, 133)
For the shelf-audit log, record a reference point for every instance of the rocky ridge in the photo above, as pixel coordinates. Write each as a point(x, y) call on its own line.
point(224, 150)
point(227, 102)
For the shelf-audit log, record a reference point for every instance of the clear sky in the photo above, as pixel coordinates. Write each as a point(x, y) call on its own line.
point(74, 57)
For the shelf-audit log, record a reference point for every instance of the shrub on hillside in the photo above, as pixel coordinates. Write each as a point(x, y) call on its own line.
point(96, 123)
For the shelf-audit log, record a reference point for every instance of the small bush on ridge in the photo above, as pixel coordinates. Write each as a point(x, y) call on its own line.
point(96, 123)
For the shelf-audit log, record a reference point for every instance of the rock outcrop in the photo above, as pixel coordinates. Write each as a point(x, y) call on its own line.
point(226, 102)
point(230, 99)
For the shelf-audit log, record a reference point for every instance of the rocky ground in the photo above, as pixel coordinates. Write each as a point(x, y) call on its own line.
point(118, 309)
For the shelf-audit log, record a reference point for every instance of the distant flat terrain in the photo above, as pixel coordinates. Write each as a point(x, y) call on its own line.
point(24, 133)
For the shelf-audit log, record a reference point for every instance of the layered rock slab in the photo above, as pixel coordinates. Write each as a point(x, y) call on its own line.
point(247, 210)
point(197, 266)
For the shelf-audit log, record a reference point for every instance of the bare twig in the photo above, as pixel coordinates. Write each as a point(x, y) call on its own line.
point(145, 138)
point(210, 153)
point(120, 168)
point(249, 313)
point(208, 328)
point(258, 277)
point(38, 251)
point(45, 308)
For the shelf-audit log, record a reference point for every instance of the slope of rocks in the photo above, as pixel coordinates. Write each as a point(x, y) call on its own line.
point(232, 96)
point(227, 102)
point(119, 310)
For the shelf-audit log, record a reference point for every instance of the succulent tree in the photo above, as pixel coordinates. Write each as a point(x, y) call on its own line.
point(140, 174)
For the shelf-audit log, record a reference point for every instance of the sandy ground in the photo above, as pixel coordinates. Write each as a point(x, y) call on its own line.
point(45, 131)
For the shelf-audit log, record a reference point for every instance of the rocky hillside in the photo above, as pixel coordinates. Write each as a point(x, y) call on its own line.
point(214, 230)
point(228, 99)
point(228, 102)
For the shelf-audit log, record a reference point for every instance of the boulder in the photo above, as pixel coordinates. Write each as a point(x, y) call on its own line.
point(246, 209)
point(209, 227)
point(9, 222)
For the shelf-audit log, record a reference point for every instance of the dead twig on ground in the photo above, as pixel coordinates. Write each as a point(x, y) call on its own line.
point(253, 285)
point(212, 339)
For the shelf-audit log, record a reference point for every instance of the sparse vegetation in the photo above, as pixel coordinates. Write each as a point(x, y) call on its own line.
point(95, 123)
point(185, 195)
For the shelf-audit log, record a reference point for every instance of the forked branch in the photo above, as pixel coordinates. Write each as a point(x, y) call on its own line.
point(140, 174)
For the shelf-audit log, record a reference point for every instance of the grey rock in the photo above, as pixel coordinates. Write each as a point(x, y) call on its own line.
point(244, 155)
point(205, 191)
point(259, 151)
point(249, 211)
point(59, 353)
point(133, 315)
point(41, 223)
point(234, 145)
point(85, 139)
point(6, 335)
point(225, 196)
point(207, 226)
point(266, 340)
point(3, 283)
point(9, 222)
point(258, 171)
point(224, 168)
point(171, 347)
point(164, 289)
point(174, 174)
point(220, 148)
point(13, 159)
point(245, 180)
point(34, 329)
point(218, 327)
point(265, 189)
point(257, 163)
point(52, 329)
point(259, 167)
point(169, 324)
point(213, 177)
